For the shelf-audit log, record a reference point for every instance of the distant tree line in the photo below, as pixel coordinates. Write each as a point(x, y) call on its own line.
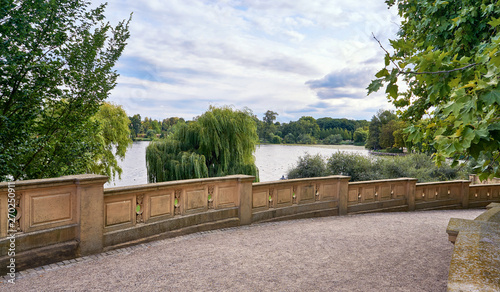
point(308, 130)
point(384, 132)
point(150, 128)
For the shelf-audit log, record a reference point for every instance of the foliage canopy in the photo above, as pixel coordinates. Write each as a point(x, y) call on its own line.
point(56, 62)
point(447, 55)
point(220, 142)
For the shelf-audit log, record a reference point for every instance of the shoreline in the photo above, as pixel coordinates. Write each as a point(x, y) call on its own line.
point(347, 147)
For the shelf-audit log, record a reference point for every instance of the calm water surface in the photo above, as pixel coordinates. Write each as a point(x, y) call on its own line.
point(273, 161)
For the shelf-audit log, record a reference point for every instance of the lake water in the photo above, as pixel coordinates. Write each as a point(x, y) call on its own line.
point(273, 161)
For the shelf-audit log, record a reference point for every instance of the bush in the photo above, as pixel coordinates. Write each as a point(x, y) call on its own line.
point(289, 138)
point(151, 134)
point(357, 166)
point(309, 166)
point(362, 168)
point(306, 139)
point(276, 139)
point(333, 139)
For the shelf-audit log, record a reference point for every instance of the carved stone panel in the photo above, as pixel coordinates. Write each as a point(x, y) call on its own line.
point(420, 194)
point(353, 196)
point(307, 193)
point(384, 192)
point(454, 192)
point(118, 212)
point(330, 192)
point(284, 196)
point(369, 194)
point(226, 197)
point(51, 208)
point(259, 199)
point(495, 193)
point(161, 204)
point(47, 208)
point(442, 193)
point(196, 200)
point(398, 191)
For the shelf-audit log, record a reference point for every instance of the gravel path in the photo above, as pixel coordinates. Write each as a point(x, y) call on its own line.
point(370, 252)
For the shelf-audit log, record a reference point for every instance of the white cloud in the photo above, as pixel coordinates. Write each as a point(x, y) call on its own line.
point(253, 53)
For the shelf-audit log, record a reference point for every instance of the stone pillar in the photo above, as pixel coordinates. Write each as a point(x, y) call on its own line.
point(4, 213)
point(90, 193)
point(411, 186)
point(245, 198)
point(464, 194)
point(343, 192)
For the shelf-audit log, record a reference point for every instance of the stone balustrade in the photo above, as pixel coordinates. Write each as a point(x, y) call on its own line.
point(67, 217)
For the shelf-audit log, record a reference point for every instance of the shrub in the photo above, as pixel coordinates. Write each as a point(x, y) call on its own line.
point(306, 139)
point(333, 139)
point(289, 138)
point(357, 166)
point(309, 166)
point(276, 139)
point(362, 168)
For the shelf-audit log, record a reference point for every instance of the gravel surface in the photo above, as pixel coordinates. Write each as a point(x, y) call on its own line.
point(371, 252)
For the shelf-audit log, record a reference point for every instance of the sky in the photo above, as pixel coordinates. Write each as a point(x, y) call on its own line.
point(296, 58)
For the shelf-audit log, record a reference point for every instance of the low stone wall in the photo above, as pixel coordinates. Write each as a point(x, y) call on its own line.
point(299, 198)
point(63, 218)
point(475, 264)
point(55, 219)
point(141, 213)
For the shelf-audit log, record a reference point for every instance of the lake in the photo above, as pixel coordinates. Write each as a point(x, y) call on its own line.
point(273, 161)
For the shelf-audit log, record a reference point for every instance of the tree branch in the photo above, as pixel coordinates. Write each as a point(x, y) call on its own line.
point(421, 73)
point(439, 72)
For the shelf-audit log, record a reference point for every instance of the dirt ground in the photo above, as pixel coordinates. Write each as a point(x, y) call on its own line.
point(371, 252)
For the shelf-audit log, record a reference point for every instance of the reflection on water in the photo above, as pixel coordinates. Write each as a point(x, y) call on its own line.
point(273, 161)
point(134, 166)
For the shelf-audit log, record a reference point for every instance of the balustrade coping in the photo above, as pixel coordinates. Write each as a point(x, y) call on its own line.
point(443, 182)
point(382, 181)
point(298, 180)
point(80, 179)
point(484, 186)
point(177, 183)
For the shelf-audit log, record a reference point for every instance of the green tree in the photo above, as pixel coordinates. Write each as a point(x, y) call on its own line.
point(400, 136)
point(360, 135)
point(447, 54)
point(386, 138)
point(135, 124)
point(220, 142)
point(268, 127)
point(56, 68)
point(111, 140)
point(289, 138)
point(382, 118)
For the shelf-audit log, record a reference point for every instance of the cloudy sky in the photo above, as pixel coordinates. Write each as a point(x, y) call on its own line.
point(297, 58)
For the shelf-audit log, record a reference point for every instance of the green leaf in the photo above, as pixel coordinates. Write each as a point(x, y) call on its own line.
point(374, 85)
point(387, 60)
point(491, 97)
point(494, 22)
point(494, 126)
point(382, 73)
point(392, 90)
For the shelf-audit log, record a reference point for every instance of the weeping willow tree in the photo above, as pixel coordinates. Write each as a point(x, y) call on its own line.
point(220, 142)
